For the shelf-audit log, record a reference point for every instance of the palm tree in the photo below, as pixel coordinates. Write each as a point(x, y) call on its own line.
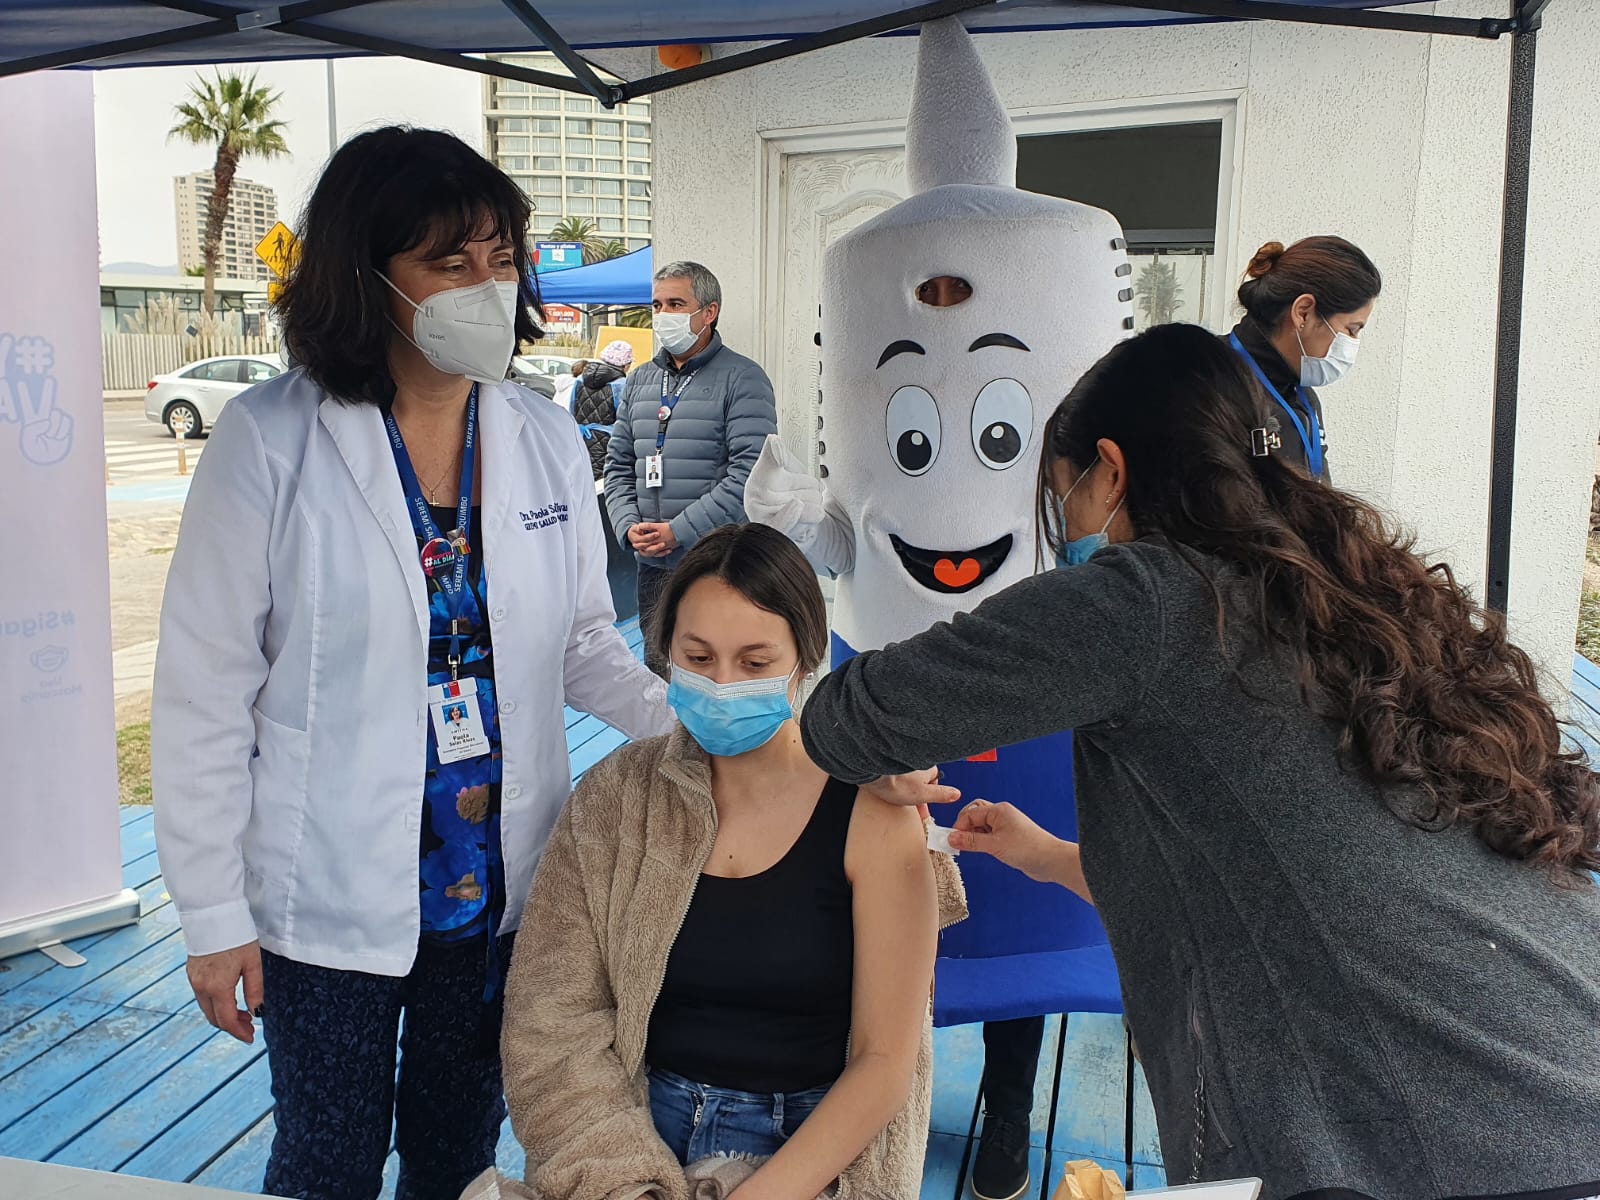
point(233, 114)
point(635, 318)
point(583, 231)
point(1159, 292)
point(611, 249)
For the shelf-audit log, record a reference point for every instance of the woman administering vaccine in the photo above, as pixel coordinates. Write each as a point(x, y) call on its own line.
point(1305, 309)
point(389, 580)
point(1326, 814)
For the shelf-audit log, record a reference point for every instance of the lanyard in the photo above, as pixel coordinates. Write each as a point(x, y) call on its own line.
point(1312, 440)
point(668, 403)
point(454, 583)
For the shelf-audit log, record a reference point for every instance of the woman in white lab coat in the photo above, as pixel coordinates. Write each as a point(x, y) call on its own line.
point(389, 580)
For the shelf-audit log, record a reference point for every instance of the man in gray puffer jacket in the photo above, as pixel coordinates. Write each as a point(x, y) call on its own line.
point(690, 426)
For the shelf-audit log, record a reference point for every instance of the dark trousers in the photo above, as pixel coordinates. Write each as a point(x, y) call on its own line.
point(1010, 1064)
point(331, 1044)
point(651, 582)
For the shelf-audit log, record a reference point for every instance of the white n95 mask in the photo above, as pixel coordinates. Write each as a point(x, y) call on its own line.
point(467, 331)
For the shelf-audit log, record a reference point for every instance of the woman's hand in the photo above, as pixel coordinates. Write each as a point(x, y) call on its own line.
point(1007, 833)
point(913, 789)
point(215, 980)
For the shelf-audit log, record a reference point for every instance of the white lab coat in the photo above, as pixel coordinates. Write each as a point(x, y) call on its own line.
point(290, 715)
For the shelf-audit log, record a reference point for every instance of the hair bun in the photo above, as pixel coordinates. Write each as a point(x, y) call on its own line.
point(1264, 260)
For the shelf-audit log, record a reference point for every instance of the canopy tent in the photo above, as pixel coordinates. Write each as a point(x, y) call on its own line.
point(615, 283)
point(42, 34)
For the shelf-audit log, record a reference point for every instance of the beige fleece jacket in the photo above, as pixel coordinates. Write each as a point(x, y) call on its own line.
point(609, 897)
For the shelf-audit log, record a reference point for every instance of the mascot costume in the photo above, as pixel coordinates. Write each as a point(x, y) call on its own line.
point(952, 326)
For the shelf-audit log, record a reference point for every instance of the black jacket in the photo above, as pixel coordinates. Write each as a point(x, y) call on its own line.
point(1287, 381)
point(595, 403)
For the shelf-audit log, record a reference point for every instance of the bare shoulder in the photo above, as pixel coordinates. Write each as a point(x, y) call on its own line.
point(884, 835)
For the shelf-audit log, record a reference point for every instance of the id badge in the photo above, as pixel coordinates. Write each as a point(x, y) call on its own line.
point(652, 471)
point(457, 720)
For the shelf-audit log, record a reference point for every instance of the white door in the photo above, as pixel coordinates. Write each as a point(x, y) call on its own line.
point(821, 196)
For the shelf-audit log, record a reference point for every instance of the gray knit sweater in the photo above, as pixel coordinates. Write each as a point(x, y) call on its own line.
point(1323, 995)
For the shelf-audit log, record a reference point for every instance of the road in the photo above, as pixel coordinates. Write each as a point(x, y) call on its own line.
point(139, 451)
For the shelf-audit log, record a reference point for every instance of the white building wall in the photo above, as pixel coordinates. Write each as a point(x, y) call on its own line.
point(1395, 141)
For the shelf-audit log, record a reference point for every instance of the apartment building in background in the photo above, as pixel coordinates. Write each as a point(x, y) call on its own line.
point(252, 213)
point(572, 156)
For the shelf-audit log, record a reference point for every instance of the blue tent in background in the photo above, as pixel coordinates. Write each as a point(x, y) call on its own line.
point(615, 283)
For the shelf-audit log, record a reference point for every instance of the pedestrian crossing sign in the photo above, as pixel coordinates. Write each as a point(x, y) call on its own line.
point(278, 249)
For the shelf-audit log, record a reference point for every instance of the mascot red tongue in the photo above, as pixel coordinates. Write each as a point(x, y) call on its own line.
point(952, 325)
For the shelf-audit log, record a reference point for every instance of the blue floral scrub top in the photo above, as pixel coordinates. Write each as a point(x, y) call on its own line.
point(462, 875)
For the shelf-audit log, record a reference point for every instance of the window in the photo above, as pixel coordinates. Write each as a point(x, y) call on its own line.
point(580, 145)
point(580, 164)
point(547, 164)
point(636, 243)
point(579, 104)
point(516, 162)
point(512, 87)
point(635, 188)
point(543, 125)
point(580, 187)
point(609, 224)
point(638, 150)
point(130, 298)
point(547, 145)
point(514, 103)
point(223, 371)
point(611, 166)
point(609, 208)
point(638, 168)
point(608, 187)
point(576, 126)
point(614, 149)
point(581, 205)
point(543, 104)
point(546, 185)
point(639, 227)
point(259, 372)
point(515, 145)
point(540, 89)
point(608, 128)
point(638, 131)
point(638, 208)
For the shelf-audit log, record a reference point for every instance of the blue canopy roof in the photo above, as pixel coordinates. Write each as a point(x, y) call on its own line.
point(37, 34)
point(616, 282)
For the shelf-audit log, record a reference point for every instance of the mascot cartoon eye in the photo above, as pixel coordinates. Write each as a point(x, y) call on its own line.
point(913, 430)
point(1002, 423)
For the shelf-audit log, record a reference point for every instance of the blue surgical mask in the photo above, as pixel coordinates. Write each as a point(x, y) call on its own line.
point(729, 719)
point(1080, 550)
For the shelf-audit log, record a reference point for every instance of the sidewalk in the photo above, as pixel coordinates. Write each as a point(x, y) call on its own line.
point(133, 669)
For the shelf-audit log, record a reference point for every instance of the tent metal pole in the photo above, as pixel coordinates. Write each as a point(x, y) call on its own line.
point(557, 45)
point(1270, 10)
point(1508, 336)
point(795, 46)
point(224, 21)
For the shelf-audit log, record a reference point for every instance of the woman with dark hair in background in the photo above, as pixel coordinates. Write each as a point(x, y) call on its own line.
point(389, 580)
point(1305, 309)
point(1327, 816)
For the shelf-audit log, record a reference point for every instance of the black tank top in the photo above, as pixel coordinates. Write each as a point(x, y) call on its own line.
point(757, 991)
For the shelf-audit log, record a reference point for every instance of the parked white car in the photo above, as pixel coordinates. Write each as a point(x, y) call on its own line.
point(191, 399)
point(546, 364)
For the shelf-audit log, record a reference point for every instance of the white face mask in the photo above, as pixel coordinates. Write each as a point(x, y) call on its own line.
point(467, 331)
point(1333, 366)
point(673, 332)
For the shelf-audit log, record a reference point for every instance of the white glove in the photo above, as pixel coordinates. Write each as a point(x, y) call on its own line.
point(780, 492)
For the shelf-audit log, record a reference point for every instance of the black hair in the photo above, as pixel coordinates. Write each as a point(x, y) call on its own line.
point(1432, 698)
point(764, 567)
point(1331, 270)
point(384, 193)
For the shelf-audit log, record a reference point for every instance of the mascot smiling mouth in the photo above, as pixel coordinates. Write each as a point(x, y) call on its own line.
point(951, 572)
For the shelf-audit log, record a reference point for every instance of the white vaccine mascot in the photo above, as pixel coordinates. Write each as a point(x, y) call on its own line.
point(952, 326)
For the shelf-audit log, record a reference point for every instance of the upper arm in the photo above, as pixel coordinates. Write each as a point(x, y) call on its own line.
point(896, 922)
point(752, 415)
point(1060, 650)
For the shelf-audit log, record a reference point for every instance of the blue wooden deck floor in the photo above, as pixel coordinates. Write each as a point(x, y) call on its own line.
point(111, 1066)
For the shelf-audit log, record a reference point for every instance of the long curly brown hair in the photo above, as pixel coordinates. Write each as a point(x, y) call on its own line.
point(1430, 693)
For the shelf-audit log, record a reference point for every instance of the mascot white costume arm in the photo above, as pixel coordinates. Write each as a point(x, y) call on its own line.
point(933, 412)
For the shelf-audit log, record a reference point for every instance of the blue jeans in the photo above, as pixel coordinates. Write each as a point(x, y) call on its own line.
point(697, 1121)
